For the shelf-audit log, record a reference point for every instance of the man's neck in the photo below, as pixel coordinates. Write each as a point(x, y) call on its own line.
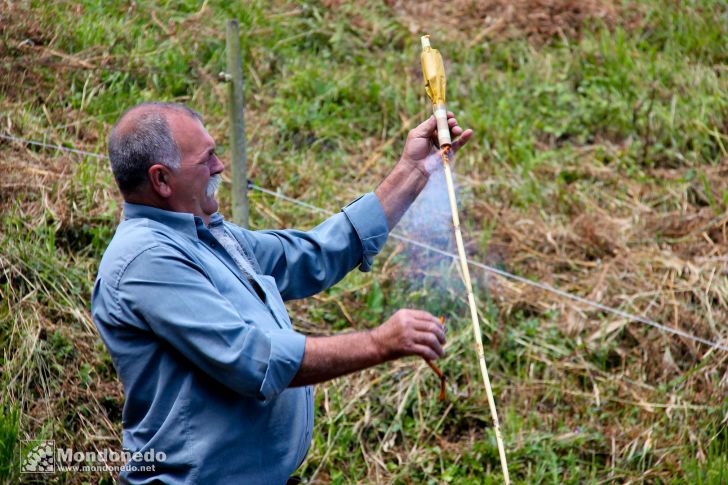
point(154, 200)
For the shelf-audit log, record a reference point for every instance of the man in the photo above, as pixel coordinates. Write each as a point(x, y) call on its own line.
point(217, 383)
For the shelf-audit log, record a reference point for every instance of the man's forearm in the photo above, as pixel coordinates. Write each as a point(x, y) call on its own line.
point(326, 358)
point(399, 189)
point(407, 332)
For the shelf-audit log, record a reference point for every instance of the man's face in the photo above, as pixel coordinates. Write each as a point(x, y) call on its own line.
point(199, 163)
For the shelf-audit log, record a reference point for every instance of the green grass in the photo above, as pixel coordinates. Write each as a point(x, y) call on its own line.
point(9, 423)
point(595, 162)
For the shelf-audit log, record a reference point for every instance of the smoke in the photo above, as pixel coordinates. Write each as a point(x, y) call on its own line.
point(429, 220)
point(213, 184)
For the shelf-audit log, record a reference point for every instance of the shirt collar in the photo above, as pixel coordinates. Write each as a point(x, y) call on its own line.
point(183, 222)
point(216, 219)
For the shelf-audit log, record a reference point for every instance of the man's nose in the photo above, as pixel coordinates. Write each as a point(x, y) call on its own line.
point(217, 166)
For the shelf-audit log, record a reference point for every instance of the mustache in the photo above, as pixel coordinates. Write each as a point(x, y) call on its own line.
point(213, 185)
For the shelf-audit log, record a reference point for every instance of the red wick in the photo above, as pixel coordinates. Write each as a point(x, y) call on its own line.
point(439, 373)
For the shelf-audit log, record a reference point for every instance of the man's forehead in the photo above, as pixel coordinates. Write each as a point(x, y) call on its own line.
point(189, 133)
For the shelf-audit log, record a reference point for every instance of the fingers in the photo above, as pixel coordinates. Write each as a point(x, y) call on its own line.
point(462, 135)
point(428, 128)
point(432, 328)
point(427, 322)
point(426, 352)
point(424, 129)
point(410, 332)
point(431, 341)
point(462, 140)
point(427, 334)
point(423, 315)
point(454, 127)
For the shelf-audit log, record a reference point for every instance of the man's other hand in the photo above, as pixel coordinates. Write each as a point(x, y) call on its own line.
point(422, 141)
point(410, 332)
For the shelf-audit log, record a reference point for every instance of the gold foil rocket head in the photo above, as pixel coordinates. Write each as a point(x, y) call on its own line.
point(433, 71)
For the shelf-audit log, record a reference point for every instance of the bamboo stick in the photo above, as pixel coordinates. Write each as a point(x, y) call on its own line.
point(473, 312)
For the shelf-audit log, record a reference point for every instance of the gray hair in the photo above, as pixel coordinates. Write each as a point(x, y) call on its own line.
point(141, 138)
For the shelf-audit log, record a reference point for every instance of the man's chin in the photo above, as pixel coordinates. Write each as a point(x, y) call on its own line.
point(211, 206)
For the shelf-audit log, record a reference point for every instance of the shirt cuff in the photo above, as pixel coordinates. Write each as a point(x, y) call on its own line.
point(286, 355)
point(370, 223)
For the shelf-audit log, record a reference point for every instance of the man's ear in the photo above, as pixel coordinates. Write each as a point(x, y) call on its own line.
point(159, 180)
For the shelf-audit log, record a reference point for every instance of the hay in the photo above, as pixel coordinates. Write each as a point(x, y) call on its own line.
point(538, 21)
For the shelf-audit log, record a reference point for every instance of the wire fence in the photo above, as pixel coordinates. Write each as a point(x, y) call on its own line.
point(490, 269)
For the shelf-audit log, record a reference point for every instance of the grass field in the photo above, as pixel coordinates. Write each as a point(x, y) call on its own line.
point(599, 165)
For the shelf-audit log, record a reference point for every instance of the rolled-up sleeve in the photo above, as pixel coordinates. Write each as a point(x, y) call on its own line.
point(180, 305)
point(367, 217)
point(305, 263)
point(285, 359)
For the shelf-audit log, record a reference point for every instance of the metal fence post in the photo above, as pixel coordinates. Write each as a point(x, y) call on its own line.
point(237, 126)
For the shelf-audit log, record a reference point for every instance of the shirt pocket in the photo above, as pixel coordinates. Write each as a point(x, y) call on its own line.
point(274, 301)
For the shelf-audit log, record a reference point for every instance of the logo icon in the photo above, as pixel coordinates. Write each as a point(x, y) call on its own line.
point(40, 457)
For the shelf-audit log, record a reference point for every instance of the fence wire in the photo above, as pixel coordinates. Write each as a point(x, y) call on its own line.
point(490, 269)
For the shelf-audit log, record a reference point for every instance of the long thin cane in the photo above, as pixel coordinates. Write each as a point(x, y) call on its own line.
point(433, 71)
point(474, 313)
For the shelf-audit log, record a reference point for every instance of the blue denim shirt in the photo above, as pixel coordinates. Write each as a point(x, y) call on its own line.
point(206, 354)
